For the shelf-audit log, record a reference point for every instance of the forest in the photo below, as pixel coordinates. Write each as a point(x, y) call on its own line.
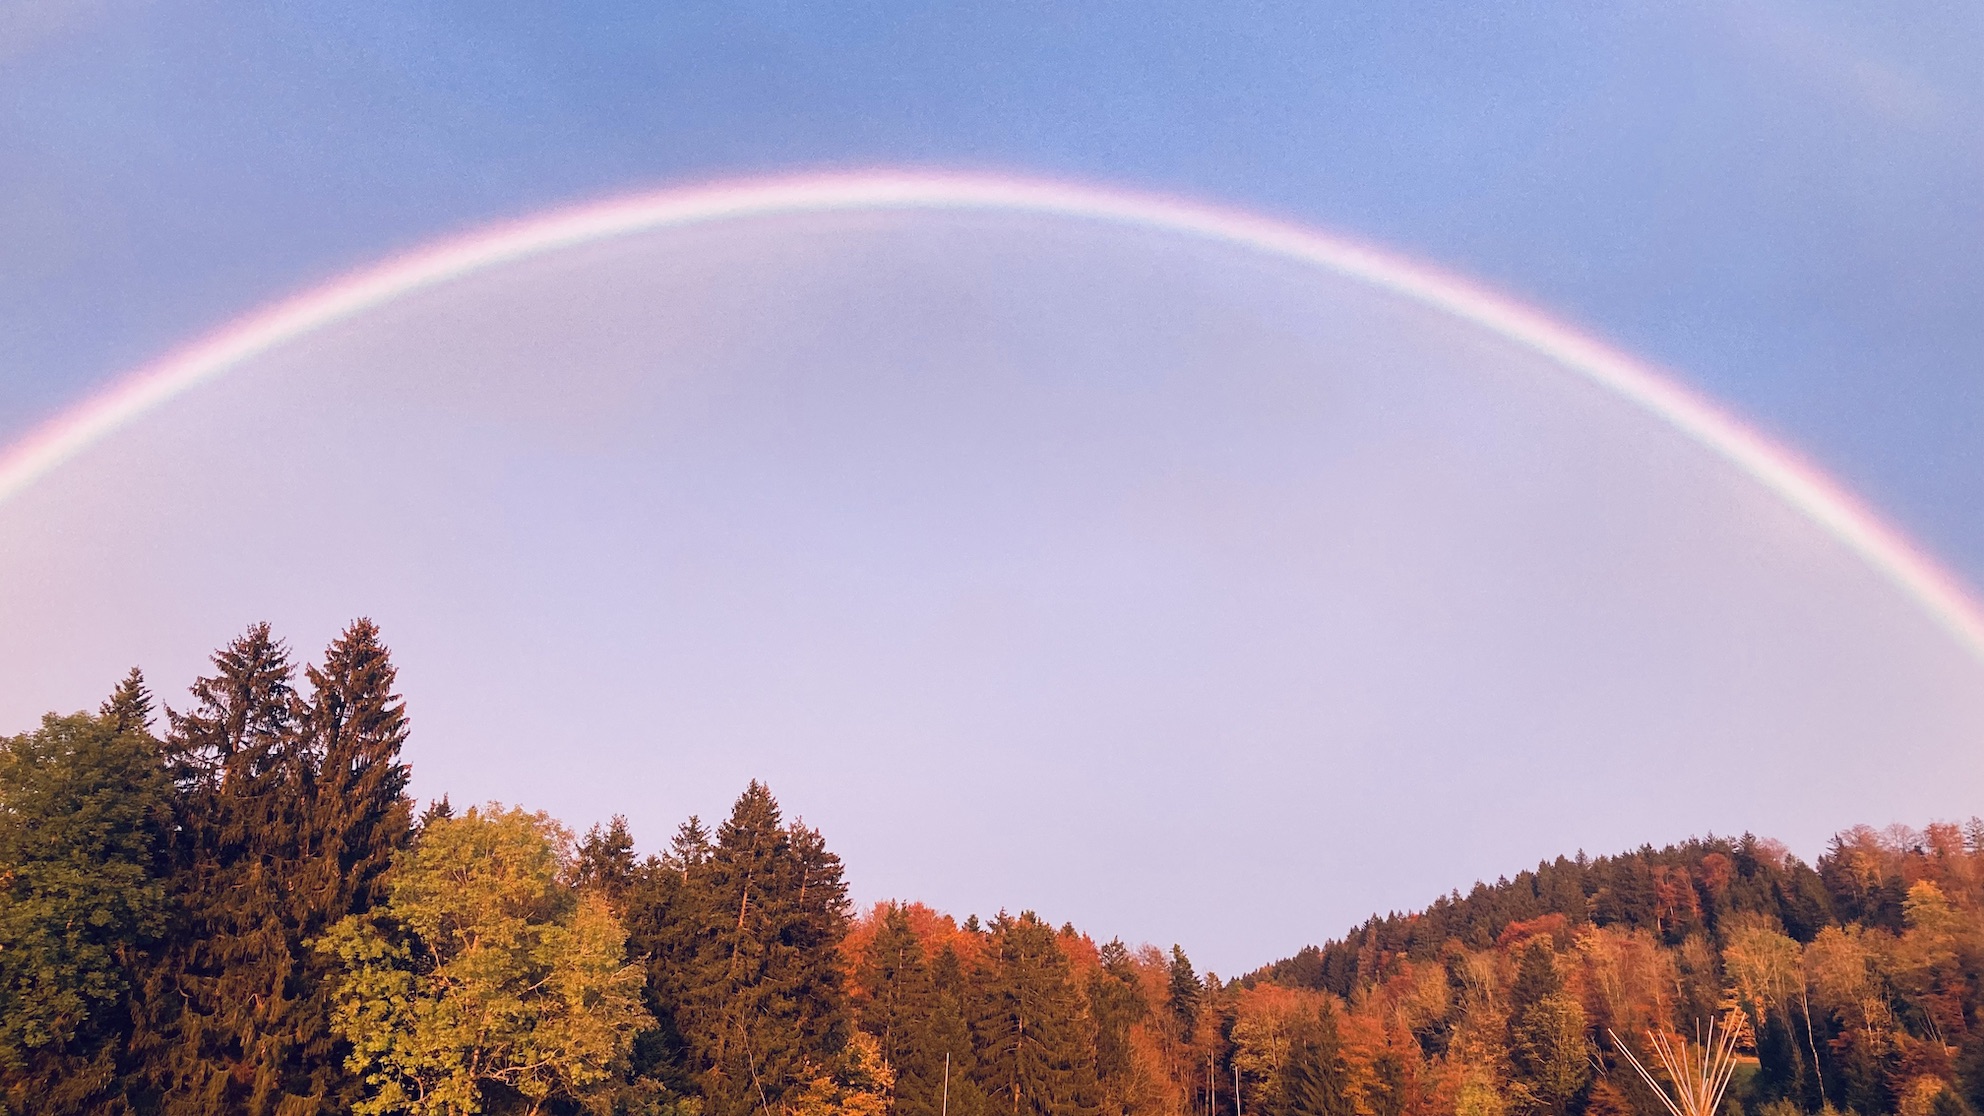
point(231, 904)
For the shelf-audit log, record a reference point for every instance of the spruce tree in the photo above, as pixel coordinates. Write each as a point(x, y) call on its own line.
point(1185, 991)
point(129, 708)
point(356, 818)
point(668, 913)
point(1546, 1039)
point(759, 1001)
point(606, 862)
point(1315, 1081)
point(897, 981)
point(1035, 1055)
point(942, 1074)
point(289, 812)
point(1117, 1002)
point(218, 1001)
point(82, 898)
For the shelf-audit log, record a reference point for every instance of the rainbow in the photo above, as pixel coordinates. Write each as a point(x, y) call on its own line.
point(1797, 482)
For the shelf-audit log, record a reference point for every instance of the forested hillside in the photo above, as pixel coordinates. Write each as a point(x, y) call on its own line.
point(232, 906)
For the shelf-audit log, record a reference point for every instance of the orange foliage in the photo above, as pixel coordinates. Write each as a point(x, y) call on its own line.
point(1517, 934)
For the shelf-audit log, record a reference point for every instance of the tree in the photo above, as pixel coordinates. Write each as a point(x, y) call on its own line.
point(944, 1064)
point(356, 818)
point(754, 930)
point(1547, 1047)
point(896, 978)
point(224, 1011)
point(484, 983)
point(85, 812)
point(355, 726)
point(606, 859)
point(1185, 991)
point(1034, 1056)
point(1315, 1080)
point(1117, 1003)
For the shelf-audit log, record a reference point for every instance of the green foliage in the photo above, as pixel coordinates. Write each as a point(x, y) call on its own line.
point(85, 810)
point(484, 982)
point(1547, 1046)
point(1186, 989)
point(1117, 1004)
point(1027, 1030)
point(1315, 1081)
point(743, 936)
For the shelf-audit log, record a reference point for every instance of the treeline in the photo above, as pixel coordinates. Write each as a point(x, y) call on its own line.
point(234, 909)
point(1857, 984)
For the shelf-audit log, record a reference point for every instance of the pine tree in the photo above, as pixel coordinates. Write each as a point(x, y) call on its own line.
point(1315, 1081)
point(1117, 1003)
point(606, 861)
point(1185, 991)
point(82, 898)
point(356, 818)
point(220, 1001)
point(1546, 1039)
point(1035, 1055)
point(758, 999)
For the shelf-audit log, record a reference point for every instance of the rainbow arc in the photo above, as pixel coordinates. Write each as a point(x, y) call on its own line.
point(1800, 484)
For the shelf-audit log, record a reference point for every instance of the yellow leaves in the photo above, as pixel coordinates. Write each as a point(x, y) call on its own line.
point(1764, 965)
point(860, 1085)
point(1929, 911)
point(1846, 967)
point(524, 984)
point(1918, 1097)
point(1628, 978)
point(1481, 1093)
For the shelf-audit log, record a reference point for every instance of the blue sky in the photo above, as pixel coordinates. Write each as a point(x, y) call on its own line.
point(1778, 201)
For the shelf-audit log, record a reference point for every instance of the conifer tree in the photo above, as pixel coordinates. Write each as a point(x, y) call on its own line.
point(606, 861)
point(222, 998)
point(759, 1000)
point(1316, 1080)
point(1546, 1041)
point(355, 726)
point(667, 910)
point(87, 811)
point(129, 708)
point(1035, 1056)
point(942, 1076)
point(356, 818)
point(897, 980)
point(439, 809)
point(1185, 991)
point(1117, 1004)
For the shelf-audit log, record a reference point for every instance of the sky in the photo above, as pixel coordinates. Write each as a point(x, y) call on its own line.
point(1776, 202)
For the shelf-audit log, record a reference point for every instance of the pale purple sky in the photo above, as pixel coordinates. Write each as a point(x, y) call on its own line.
point(1179, 591)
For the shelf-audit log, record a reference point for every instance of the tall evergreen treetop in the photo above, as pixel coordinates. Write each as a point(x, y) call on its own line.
point(129, 708)
point(355, 726)
point(759, 1000)
point(1185, 992)
point(1036, 1054)
point(606, 861)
